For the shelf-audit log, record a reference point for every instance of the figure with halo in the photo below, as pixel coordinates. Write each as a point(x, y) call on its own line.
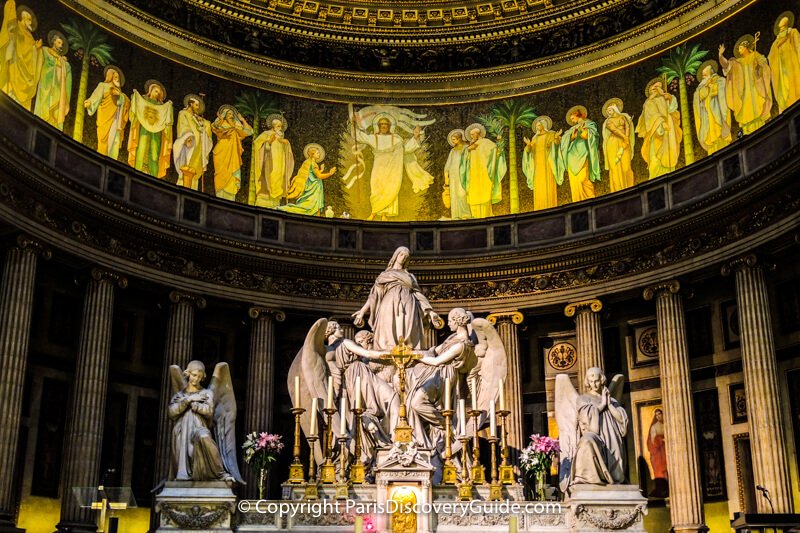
point(591, 429)
point(749, 87)
point(660, 127)
point(397, 307)
point(455, 192)
point(784, 61)
point(192, 148)
point(485, 169)
point(618, 141)
point(712, 117)
point(579, 155)
point(540, 163)
point(150, 138)
point(203, 434)
point(274, 162)
point(55, 81)
point(20, 53)
point(306, 190)
point(231, 129)
point(112, 107)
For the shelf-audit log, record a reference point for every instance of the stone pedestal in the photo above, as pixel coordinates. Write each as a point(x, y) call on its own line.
point(186, 506)
point(595, 508)
point(404, 468)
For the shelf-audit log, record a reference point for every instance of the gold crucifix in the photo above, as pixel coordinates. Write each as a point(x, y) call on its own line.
point(403, 357)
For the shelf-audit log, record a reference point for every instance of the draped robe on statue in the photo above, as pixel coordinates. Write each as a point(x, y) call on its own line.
point(195, 455)
point(20, 58)
point(459, 208)
point(112, 108)
point(397, 308)
point(540, 166)
point(660, 127)
point(580, 158)
point(748, 90)
point(393, 158)
point(711, 114)
point(150, 139)
point(784, 61)
point(601, 450)
point(485, 169)
point(55, 88)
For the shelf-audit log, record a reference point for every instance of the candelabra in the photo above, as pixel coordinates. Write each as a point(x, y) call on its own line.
point(465, 487)
point(478, 471)
point(495, 488)
point(312, 490)
point(296, 474)
point(506, 470)
point(327, 472)
point(357, 468)
point(342, 486)
point(449, 475)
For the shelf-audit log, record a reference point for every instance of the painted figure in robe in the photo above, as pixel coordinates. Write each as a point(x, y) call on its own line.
point(455, 192)
point(20, 54)
point(274, 162)
point(55, 82)
point(712, 118)
point(579, 154)
point(193, 144)
point(112, 107)
point(784, 62)
point(306, 192)
point(485, 169)
point(150, 137)
point(748, 90)
point(231, 128)
point(618, 142)
point(540, 163)
point(660, 127)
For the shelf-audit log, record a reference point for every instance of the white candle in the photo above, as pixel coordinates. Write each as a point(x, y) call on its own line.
point(358, 392)
point(447, 394)
point(314, 416)
point(297, 391)
point(462, 416)
point(502, 395)
point(343, 417)
point(329, 403)
point(492, 424)
point(474, 395)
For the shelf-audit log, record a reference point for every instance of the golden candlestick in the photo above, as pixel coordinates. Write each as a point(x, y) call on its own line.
point(312, 490)
point(327, 472)
point(342, 485)
point(495, 488)
point(506, 470)
point(296, 474)
point(465, 487)
point(449, 474)
point(478, 470)
point(357, 468)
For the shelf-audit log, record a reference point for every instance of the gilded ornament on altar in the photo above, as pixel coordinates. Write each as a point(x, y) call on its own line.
point(404, 520)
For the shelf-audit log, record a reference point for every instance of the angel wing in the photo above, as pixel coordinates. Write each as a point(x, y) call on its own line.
point(616, 386)
point(494, 365)
point(310, 365)
point(225, 418)
point(176, 379)
point(567, 420)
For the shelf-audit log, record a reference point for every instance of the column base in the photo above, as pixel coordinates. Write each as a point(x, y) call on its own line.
point(76, 527)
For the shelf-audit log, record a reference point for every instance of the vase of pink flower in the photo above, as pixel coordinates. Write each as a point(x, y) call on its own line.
point(260, 451)
point(536, 460)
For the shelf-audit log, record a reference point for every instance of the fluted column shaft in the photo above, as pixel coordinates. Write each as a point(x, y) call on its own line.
point(589, 336)
point(506, 325)
point(84, 435)
point(431, 338)
point(16, 306)
point(764, 416)
point(260, 380)
point(177, 351)
point(686, 503)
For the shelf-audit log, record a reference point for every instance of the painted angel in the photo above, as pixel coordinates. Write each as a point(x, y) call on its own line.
point(591, 427)
point(203, 437)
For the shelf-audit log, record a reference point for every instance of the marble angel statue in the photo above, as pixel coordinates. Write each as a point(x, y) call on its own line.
point(203, 435)
point(591, 427)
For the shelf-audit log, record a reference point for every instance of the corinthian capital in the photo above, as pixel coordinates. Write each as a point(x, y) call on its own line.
point(515, 317)
point(257, 312)
point(595, 306)
point(180, 297)
point(672, 286)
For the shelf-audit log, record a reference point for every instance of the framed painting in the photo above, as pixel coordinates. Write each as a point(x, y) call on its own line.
point(730, 324)
point(738, 403)
point(652, 460)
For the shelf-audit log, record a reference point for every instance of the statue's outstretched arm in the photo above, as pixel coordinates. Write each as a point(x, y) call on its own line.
point(443, 358)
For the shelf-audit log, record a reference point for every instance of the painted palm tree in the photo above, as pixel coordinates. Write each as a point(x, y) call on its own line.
point(681, 65)
point(255, 106)
point(91, 48)
point(507, 116)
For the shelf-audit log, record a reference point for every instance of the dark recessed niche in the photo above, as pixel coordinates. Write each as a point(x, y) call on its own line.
point(269, 229)
point(42, 145)
point(580, 221)
point(731, 168)
point(656, 200)
point(424, 241)
point(502, 235)
point(115, 184)
point(191, 210)
point(347, 239)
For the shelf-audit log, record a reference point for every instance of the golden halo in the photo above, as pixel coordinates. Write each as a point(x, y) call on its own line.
point(710, 63)
point(192, 96)
point(787, 14)
point(748, 40)
point(320, 158)
point(34, 21)
point(277, 116)
point(454, 132)
point(117, 70)
point(653, 82)
point(64, 50)
point(476, 126)
point(225, 107)
point(150, 83)
point(581, 110)
point(612, 101)
point(548, 123)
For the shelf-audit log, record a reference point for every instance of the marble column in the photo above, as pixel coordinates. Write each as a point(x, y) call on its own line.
point(177, 351)
point(16, 307)
point(431, 338)
point(84, 434)
point(589, 336)
point(506, 324)
point(762, 392)
point(260, 380)
point(685, 494)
